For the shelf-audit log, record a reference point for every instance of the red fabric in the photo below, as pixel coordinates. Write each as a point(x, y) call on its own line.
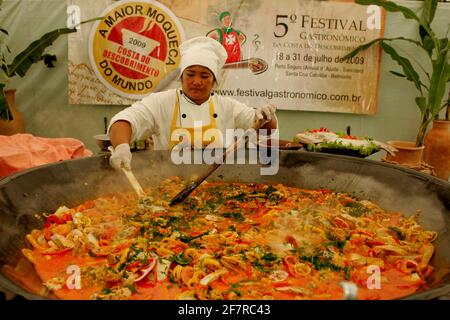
point(22, 151)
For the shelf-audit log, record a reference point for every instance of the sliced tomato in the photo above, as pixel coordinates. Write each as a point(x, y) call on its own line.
point(357, 241)
point(280, 284)
point(133, 265)
point(249, 269)
point(66, 218)
point(47, 234)
point(322, 129)
point(375, 243)
point(51, 220)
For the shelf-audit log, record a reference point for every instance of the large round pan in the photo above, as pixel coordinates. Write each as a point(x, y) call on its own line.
point(45, 188)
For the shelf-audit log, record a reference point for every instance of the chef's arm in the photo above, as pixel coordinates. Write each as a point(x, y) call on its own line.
point(120, 132)
point(266, 113)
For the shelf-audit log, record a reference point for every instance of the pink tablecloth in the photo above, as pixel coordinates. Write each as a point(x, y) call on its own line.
point(23, 151)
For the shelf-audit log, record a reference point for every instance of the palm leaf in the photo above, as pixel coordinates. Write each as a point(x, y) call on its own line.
point(362, 48)
point(398, 74)
point(429, 10)
point(406, 65)
point(391, 7)
point(34, 52)
point(373, 42)
point(443, 43)
point(438, 83)
point(427, 43)
point(421, 103)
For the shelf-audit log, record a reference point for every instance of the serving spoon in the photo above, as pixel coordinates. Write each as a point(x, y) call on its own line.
point(255, 65)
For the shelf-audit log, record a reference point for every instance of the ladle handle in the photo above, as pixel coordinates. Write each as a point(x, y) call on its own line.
point(134, 183)
point(131, 178)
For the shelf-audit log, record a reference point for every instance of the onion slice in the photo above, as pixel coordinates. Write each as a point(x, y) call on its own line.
point(146, 271)
point(213, 276)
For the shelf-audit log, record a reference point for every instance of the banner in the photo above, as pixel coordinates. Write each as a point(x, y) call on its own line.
point(288, 55)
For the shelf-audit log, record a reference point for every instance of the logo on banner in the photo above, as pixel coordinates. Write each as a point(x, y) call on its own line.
point(135, 46)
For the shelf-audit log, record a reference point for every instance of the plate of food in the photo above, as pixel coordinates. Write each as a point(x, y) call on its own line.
point(282, 144)
point(324, 140)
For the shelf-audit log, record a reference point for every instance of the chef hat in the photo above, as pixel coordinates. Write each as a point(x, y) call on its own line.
point(223, 14)
point(203, 51)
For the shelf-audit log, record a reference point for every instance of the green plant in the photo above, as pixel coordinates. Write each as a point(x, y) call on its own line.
point(431, 91)
point(22, 62)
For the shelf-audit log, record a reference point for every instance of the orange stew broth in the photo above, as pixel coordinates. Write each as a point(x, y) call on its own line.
point(262, 242)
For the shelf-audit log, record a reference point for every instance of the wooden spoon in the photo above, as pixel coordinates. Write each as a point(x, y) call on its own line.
point(132, 179)
point(134, 183)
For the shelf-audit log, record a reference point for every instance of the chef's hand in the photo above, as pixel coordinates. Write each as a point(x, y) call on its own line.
point(120, 156)
point(265, 114)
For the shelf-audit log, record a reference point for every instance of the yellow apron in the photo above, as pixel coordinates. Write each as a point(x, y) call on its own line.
point(192, 136)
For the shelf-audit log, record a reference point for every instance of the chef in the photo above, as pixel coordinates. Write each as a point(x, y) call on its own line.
point(176, 115)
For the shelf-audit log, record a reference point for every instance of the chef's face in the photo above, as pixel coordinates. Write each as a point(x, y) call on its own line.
point(197, 83)
point(226, 21)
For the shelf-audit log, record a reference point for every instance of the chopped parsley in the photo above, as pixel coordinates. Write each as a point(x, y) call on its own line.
point(336, 242)
point(356, 209)
point(320, 262)
point(241, 197)
point(400, 235)
point(182, 259)
point(234, 215)
point(106, 290)
point(270, 257)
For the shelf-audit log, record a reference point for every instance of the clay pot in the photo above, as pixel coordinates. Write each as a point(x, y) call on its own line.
point(408, 153)
point(437, 148)
point(16, 125)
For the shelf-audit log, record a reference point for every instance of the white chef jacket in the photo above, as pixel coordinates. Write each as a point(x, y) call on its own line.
point(152, 116)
